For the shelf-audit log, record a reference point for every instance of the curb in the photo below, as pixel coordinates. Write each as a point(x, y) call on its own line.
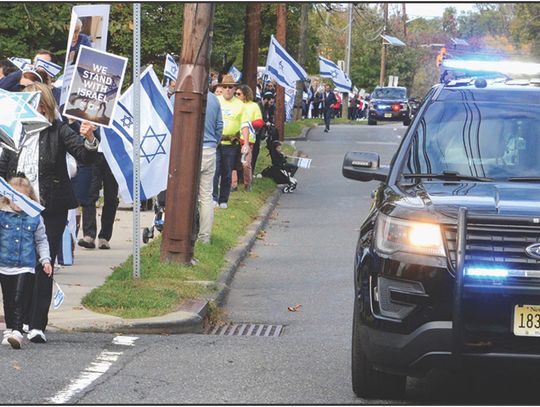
point(189, 318)
point(303, 135)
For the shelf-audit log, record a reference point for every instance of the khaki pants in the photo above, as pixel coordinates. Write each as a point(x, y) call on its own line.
point(206, 203)
point(246, 167)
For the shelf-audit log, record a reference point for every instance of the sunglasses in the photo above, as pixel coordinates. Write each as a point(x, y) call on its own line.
point(227, 86)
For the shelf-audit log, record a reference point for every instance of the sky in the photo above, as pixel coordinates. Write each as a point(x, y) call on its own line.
point(434, 9)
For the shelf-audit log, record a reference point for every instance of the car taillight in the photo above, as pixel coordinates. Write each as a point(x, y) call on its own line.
point(396, 107)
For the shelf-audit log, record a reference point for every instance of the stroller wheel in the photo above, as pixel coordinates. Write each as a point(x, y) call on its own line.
point(146, 235)
point(292, 187)
point(286, 190)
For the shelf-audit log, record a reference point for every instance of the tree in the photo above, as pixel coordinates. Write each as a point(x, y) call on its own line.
point(449, 21)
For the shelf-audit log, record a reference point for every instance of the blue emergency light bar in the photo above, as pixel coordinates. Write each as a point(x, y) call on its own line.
point(507, 67)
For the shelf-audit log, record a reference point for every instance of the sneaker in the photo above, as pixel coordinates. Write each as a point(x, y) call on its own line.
point(103, 244)
point(248, 188)
point(87, 242)
point(234, 189)
point(6, 334)
point(15, 339)
point(223, 205)
point(36, 336)
point(216, 205)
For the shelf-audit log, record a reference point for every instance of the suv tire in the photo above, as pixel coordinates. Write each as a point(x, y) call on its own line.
point(407, 121)
point(367, 382)
point(371, 122)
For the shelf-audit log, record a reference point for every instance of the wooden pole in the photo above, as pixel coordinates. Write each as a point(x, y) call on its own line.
point(302, 45)
point(188, 125)
point(251, 45)
point(281, 36)
point(383, 50)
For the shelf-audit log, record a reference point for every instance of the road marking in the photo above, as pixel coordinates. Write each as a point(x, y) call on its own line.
point(386, 143)
point(95, 370)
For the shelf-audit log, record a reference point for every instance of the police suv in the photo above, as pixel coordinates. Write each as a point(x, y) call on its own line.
point(447, 266)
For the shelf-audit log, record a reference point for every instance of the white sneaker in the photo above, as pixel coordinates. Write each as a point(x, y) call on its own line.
point(6, 333)
point(216, 205)
point(36, 336)
point(15, 339)
point(223, 205)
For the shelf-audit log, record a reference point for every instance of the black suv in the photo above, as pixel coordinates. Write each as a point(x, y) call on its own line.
point(389, 103)
point(447, 266)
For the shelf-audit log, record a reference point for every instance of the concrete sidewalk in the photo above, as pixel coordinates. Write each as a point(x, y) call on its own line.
point(92, 266)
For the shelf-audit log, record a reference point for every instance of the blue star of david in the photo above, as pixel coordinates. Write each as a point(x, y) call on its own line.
point(333, 73)
point(151, 144)
point(16, 107)
point(127, 121)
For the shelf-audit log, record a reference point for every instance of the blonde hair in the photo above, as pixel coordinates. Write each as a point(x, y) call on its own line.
point(46, 102)
point(23, 185)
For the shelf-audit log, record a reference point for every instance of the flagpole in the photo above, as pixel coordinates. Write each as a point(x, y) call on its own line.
point(136, 139)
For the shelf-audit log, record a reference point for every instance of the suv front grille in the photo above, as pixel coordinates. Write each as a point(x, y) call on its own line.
point(500, 243)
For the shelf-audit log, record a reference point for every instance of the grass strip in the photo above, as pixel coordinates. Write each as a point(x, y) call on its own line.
point(163, 286)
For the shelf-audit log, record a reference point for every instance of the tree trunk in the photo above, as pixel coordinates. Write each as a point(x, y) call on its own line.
point(251, 45)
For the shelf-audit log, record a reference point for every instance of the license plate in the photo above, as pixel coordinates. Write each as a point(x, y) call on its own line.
point(527, 320)
point(388, 115)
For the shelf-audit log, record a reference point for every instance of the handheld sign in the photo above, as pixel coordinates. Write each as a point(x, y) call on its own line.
point(95, 86)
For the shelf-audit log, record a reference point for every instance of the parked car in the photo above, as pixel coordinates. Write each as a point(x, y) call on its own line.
point(389, 103)
point(447, 265)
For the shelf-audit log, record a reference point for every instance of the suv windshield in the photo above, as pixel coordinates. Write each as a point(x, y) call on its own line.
point(389, 93)
point(477, 139)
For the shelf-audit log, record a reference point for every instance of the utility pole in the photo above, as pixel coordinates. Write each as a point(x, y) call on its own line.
point(188, 124)
point(281, 36)
point(383, 50)
point(345, 101)
point(302, 45)
point(404, 22)
point(251, 45)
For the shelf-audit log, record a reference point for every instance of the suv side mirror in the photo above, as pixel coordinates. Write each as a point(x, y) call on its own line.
point(363, 166)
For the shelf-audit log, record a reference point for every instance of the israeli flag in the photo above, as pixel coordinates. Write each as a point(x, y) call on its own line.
point(20, 63)
point(51, 68)
point(236, 74)
point(282, 67)
point(171, 68)
point(59, 297)
point(329, 69)
point(28, 206)
point(156, 130)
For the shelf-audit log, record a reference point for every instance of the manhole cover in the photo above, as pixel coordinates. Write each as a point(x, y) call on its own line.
point(245, 329)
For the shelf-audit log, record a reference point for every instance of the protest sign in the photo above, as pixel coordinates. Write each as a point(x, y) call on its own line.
point(89, 26)
point(95, 86)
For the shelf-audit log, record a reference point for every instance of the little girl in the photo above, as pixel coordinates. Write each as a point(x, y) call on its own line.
point(21, 236)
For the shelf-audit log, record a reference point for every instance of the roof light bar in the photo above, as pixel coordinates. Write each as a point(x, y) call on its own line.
point(508, 67)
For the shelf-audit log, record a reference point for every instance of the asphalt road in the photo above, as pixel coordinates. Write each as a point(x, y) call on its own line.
point(305, 258)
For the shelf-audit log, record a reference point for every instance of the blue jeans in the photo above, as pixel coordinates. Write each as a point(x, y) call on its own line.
point(225, 162)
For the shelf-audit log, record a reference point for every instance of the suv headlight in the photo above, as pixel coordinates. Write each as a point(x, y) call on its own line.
point(397, 235)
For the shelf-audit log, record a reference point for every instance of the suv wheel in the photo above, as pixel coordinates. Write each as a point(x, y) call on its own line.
point(407, 121)
point(366, 381)
point(371, 122)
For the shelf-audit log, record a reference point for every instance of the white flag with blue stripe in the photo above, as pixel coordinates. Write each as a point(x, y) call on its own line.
point(20, 63)
point(28, 206)
point(235, 72)
point(282, 67)
point(50, 67)
point(329, 69)
point(171, 68)
point(156, 130)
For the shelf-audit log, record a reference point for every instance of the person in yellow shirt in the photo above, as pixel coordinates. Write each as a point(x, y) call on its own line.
point(253, 122)
point(228, 149)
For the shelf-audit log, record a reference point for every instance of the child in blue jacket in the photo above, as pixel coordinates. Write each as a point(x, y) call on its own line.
point(22, 243)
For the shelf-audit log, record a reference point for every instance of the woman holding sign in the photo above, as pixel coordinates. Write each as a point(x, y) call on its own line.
point(42, 158)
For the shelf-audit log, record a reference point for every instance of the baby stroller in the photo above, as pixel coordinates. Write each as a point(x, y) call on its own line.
point(159, 218)
point(280, 171)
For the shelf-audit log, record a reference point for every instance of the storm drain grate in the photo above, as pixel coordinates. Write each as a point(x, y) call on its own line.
point(245, 330)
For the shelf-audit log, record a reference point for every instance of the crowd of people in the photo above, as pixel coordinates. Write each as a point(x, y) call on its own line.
point(43, 168)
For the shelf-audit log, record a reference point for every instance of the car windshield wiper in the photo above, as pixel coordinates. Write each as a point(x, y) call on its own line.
point(450, 176)
point(524, 179)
